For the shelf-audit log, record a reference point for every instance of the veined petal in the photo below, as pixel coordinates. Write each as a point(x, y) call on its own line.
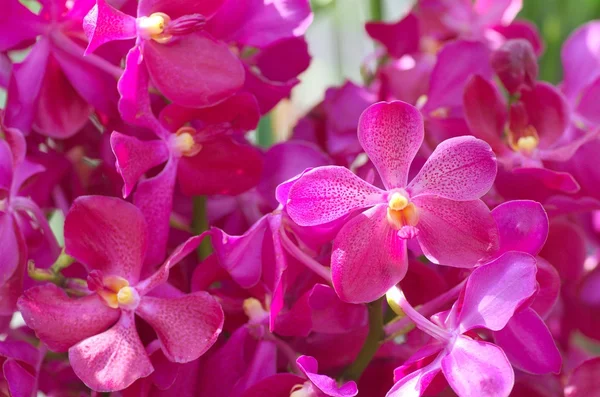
point(60, 321)
point(391, 135)
point(475, 368)
point(462, 168)
point(528, 344)
point(135, 157)
point(495, 291)
point(194, 71)
point(522, 226)
point(368, 257)
point(455, 233)
point(107, 234)
point(327, 193)
point(186, 327)
point(104, 23)
point(112, 360)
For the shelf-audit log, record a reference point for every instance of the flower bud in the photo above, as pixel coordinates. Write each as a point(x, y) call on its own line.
point(515, 63)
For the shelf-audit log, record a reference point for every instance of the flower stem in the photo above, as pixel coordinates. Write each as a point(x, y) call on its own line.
point(376, 10)
point(200, 225)
point(372, 343)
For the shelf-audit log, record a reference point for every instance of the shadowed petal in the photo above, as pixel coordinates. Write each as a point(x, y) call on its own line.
point(496, 290)
point(186, 327)
point(112, 360)
point(60, 321)
point(584, 381)
point(20, 382)
point(548, 112)
point(177, 8)
point(327, 193)
point(462, 168)
point(104, 23)
point(391, 134)
point(388, 33)
point(522, 226)
point(455, 233)
point(480, 369)
point(368, 257)
point(107, 234)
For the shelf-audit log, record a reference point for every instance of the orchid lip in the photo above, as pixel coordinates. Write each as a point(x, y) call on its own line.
point(401, 211)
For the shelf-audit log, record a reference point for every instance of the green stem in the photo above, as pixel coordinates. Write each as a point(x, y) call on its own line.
point(372, 343)
point(264, 132)
point(376, 10)
point(200, 225)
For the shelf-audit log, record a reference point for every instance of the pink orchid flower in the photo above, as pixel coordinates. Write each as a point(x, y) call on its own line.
point(440, 206)
point(110, 237)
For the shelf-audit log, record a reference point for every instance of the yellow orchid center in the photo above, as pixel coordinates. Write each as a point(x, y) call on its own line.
point(185, 142)
point(117, 293)
point(153, 27)
point(301, 391)
point(254, 309)
point(526, 143)
point(401, 212)
point(126, 296)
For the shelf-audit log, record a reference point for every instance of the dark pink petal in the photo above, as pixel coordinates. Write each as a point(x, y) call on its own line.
point(186, 327)
point(584, 380)
point(515, 64)
point(528, 344)
point(327, 385)
point(327, 193)
point(20, 351)
point(549, 286)
point(548, 112)
point(388, 34)
point(448, 78)
point(462, 168)
point(416, 383)
point(284, 60)
point(566, 250)
point(267, 93)
point(455, 233)
point(154, 198)
point(177, 8)
point(495, 291)
point(564, 152)
point(368, 257)
point(522, 29)
point(485, 112)
point(135, 157)
point(580, 59)
point(391, 135)
point(9, 249)
point(17, 25)
point(162, 275)
point(21, 383)
point(60, 321)
point(588, 107)
point(331, 315)
point(134, 105)
point(104, 23)
point(6, 169)
point(523, 226)
point(278, 385)
point(475, 368)
point(555, 180)
point(112, 360)
point(223, 166)
point(107, 234)
point(12, 288)
point(194, 70)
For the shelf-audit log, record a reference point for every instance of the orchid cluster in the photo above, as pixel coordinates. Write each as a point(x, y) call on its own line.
point(431, 230)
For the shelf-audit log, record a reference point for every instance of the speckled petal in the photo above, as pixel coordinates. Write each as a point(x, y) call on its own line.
point(104, 23)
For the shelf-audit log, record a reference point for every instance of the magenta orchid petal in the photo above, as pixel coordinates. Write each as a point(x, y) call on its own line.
point(564, 152)
point(327, 193)
point(112, 360)
point(461, 169)
point(548, 112)
point(415, 383)
point(21, 383)
point(495, 291)
point(186, 327)
point(136, 157)
point(177, 8)
point(391, 134)
point(6, 169)
point(455, 233)
point(387, 34)
point(193, 71)
point(528, 344)
point(555, 180)
point(583, 381)
point(368, 257)
point(104, 23)
point(17, 24)
point(9, 249)
point(549, 283)
point(327, 385)
point(278, 385)
point(331, 315)
point(107, 234)
point(522, 225)
point(475, 368)
point(60, 321)
point(580, 59)
point(154, 198)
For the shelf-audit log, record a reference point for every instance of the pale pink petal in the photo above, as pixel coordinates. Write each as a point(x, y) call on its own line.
point(492, 12)
point(368, 257)
point(462, 168)
point(495, 291)
point(326, 384)
point(135, 157)
point(415, 384)
point(528, 344)
point(475, 368)
point(186, 327)
point(194, 71)
point(107, 234)
point(391, 134)
point(580, 59)
point(154, 198)
point(327, 193)
point(112, 360)
point(60, 321)
point(523, 226)
point(104, 23)
point(455, 233)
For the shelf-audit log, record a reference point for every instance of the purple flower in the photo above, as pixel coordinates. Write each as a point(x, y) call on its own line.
point(440, 206)
point(110, 237)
